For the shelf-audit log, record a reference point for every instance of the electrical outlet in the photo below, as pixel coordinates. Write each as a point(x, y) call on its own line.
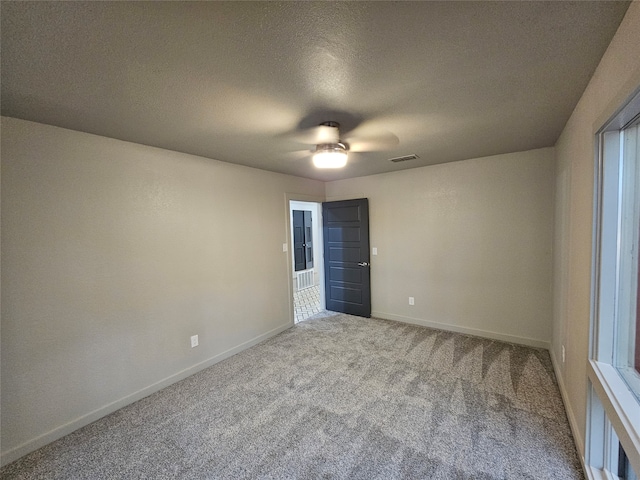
point(563, 354)
point(412, 301)
point(194, 341)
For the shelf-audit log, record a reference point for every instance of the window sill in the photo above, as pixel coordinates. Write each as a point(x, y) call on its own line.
point(595, 474)
point(620, 405)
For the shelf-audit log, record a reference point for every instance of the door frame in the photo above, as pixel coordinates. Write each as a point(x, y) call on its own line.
point(299, 197)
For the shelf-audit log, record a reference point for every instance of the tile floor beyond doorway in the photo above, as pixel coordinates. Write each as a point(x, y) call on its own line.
point(306, 303)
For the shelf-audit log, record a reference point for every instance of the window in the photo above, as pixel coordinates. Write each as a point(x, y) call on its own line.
point(613, 424)
point(625, 472)
point(626, 350)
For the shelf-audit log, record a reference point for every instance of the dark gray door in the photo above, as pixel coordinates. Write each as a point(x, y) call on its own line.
point(308, 239)
point(302, 240)
point(346, 256)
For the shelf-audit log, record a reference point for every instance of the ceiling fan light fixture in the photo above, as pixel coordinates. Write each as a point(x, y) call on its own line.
point(330, 155)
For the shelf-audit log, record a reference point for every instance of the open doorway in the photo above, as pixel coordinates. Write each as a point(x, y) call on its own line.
point(307, 269)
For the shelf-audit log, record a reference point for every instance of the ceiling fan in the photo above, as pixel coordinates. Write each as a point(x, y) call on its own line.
point(331, 151)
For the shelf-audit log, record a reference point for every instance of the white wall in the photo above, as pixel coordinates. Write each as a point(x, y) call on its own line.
point(470, 240)
point(113, 255)
point(617, 76)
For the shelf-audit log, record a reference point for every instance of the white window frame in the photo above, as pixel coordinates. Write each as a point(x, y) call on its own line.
point(613, 411)
point(626, 337)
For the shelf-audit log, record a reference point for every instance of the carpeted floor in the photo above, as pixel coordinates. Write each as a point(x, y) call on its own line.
point(336, 397)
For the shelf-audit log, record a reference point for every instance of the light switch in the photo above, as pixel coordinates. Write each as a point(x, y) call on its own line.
point(374, 251)
point(284, 247)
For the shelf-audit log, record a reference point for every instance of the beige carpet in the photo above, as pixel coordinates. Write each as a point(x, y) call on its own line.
point(337, 397)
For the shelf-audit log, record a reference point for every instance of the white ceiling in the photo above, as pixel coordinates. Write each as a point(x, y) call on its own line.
point(233, 80)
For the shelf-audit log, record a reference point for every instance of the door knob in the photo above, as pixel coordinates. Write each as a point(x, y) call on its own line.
point(363, 264)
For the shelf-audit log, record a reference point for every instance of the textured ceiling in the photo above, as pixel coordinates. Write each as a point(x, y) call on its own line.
point(232, 80)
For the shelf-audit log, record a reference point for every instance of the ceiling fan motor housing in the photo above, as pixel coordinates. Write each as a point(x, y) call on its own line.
point(331, 148)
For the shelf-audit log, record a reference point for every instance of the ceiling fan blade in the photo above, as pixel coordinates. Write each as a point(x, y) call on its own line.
point(297, 154)
point(315, 135)
point(382, 140)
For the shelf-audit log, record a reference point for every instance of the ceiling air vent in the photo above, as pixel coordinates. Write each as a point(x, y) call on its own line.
point(413, 156)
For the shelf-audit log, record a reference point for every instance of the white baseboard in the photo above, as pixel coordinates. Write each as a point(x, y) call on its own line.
point(531, 342)
point(577, 438)
point(59, 432)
